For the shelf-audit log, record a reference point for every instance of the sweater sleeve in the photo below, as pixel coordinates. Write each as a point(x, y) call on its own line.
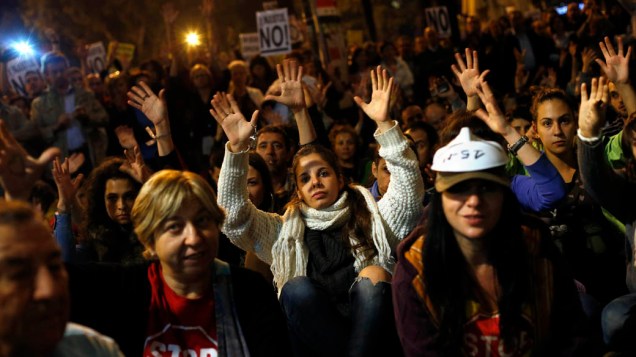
point(246, 226)
point(604, 184)
point(542, 189)
point(401, 205)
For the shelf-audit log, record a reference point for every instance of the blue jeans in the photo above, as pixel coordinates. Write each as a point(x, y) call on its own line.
point(619, 323)
point(317, 328)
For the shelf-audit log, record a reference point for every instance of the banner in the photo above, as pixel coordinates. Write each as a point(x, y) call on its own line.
point(17, 70)
point(249, 45)
point(438, 18)
point(124, 52)
point(273, 32)
point(96, 57)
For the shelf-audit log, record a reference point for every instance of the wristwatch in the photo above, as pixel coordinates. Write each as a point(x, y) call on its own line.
point(514, 148)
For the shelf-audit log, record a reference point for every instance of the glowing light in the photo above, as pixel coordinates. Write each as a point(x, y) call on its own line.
point(193, 39)
point(23, 48)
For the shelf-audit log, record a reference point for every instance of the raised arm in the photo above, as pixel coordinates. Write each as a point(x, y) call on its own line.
point(544, 187)
point(155, 108)
point(616, 68)
point(497, 122)
point(67, 191)
point(401, 205)
point(18, 170)
point(606, 186)
point(469, 77)
point(292, 95)
point(247, 227)
point(378, 108)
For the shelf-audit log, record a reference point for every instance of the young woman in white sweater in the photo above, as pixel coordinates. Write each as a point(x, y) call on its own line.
point(331, 252)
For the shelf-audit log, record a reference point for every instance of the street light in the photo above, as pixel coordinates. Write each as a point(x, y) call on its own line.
point(193, 39)
point(23, 48)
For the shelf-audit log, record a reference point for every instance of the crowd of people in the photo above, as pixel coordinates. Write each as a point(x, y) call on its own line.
point(437, 198)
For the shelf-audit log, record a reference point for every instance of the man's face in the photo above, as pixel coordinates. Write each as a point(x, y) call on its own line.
point(33, 83)
point(33, 289)
point(56, 75)
point(271, 147)
point(616, 101)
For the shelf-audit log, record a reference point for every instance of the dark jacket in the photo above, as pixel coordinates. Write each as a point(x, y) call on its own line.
point(555, 305)
point(114, 300)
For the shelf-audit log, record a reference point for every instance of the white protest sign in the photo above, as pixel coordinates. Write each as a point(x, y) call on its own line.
point(17, 70)
point(96, 57)
point(249, 45)
point(273, 32)
point(438, 18)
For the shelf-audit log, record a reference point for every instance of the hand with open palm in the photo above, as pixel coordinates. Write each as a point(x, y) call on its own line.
point(144, 99)
point(378, 108)
point(292, 95)
point(227, 113)
point(616, 65)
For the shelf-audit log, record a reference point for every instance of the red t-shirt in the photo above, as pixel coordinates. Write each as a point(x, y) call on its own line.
point(178, 326)
point(482, 335)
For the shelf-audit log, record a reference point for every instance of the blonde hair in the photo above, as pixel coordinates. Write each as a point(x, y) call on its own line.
point(162, 196)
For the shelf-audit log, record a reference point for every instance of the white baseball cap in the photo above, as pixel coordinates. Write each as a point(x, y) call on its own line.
point(469, 157)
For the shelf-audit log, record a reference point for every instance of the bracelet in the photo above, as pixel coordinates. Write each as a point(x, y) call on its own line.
point(585, 139)
point(514, 148)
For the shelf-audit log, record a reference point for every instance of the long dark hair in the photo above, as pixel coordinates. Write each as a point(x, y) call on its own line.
point(449, 284)
point(359, 224)
point(257, 162)
point(96, 218)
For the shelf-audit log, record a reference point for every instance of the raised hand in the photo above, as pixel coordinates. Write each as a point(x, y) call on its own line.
point(318, 92)
point(144, 99)
point(291, 85)
point(492, 116)
point(125, 136)
point(378, 108)
point(227, 113)
point(75, 161)
point(616, 65)
point(18, 170)
point(468, 72)
point(135, 165)
point(592, 109)
point(66, 187)
point(587, 56)
point(169, 13)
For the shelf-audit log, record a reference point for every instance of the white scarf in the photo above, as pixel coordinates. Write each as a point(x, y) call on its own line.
point(289, 253)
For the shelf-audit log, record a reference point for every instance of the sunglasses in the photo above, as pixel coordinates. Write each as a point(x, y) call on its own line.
point(474, 187)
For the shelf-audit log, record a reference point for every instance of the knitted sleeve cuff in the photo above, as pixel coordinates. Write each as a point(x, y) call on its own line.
point(391, 137)
point(234, 164)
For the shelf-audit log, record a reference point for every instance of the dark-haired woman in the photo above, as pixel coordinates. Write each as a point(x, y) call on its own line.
point(331, 251)
point(105, 230)
point(481, 280)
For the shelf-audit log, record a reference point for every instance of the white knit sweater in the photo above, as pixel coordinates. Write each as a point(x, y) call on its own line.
point(256, 231)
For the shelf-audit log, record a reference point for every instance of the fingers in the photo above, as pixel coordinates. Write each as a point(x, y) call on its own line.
point(360, 102)
point(601, 64)
point(469, 58)
point(605, 93)
point(604, 50)
point(77, 182)
point(583, 93)
point(610, 47)
point(482, 76)
point(380, 74)
point(460, 62)
point(234, 108)
point(619, 42)
point(281, 75)
point(456, 70)
point(475, 61)
point(254, 118)
point(629, 53)
point(48, 155)
point(147, 91)
point(374, 81)
point(593, 86)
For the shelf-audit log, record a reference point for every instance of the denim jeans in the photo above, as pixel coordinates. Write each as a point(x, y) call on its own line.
point(619, 323)
point(317, 328)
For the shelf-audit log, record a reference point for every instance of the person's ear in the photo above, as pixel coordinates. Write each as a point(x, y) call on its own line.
point(374, 170)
